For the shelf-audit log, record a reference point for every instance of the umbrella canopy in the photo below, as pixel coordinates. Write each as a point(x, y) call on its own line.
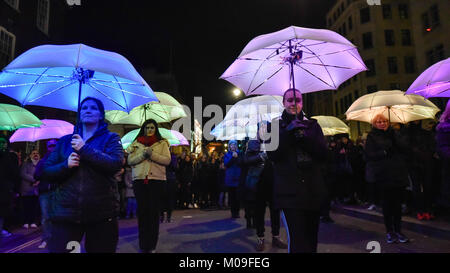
point(394, 105)
point(50, 128)
point(332, 125)
point(234, 130)
point(433, 82)
point(60, 76)
point(175, 138)
point(303, 58)
point(255, 109)
point(13, 117)
point(166, 110)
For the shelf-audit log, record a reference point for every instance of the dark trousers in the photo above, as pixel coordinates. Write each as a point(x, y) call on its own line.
point(422, 188)
point(100, 237)
point(233, 201)
point(30, 209)
point(148, 198)
point(260, 219)
point(169, 197)
point(303, 228)
point(392, 208)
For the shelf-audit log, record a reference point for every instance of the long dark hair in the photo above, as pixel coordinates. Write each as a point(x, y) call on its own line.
point(142, 130)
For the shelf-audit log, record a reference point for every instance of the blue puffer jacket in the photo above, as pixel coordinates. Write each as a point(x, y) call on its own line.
point(233, 170)
point(87, 193)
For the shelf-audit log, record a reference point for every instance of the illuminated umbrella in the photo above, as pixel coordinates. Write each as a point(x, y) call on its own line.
point(394, 105)
point(302, 58)
point(166, 110)
point(332, 125)
point(50, 128)
point(171, 136)
point(60, 76)
point(13, 117)
point(234, 130)
point(433, 82)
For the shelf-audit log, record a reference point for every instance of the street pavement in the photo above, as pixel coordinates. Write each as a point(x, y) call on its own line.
point(213, 231)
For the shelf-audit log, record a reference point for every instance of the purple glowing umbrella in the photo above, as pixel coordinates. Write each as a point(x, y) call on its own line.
point(433, 82)
point(303, 58)
point(50, 128)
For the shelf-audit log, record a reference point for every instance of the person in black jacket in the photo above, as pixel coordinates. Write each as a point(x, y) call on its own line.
point(10, 177)
point(386, 164)
point(86, 201)
point(443, 149)
point(45, 187)
point(299, 187)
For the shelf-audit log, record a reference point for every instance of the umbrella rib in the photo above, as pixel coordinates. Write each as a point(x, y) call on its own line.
point(108, 97)
point(128, 92)
point(329, 65)
point(116, 82)
point(362, 63)
point(434, 73)
point(124, 98)
point(35, 74)
point(326, 54)
point(266, 80)
point(31, 83)
point(443, 91)
point(54, 90)
point(29, 91)
point(314, 75)
point(331, 78)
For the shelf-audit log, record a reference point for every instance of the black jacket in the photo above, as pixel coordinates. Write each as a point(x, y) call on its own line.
point(298, 180)
point(10, 178)
point(385, 158)
point(87, 193)
point(443, 149)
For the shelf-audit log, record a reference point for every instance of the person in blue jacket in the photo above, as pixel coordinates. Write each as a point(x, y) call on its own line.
point(86, 200)
point(232, 176)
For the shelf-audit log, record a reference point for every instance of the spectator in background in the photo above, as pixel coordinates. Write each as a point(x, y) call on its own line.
point(29, 190)
point(131, 203)
point(45, 187)
point(232, 177)
point(10, 176)
point(170, 190)
point(186, 177)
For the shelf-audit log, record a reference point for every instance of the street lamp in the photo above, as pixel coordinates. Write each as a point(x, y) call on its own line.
point(236, 92)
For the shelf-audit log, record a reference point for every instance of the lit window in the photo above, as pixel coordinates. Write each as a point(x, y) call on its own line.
point(7, 44)
point(43, 15)
point(13, 3)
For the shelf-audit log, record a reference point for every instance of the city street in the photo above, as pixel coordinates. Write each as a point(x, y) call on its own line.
point(201, 231)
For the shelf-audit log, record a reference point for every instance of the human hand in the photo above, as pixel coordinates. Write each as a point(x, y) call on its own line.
point(147, 152)
point(73, 160)
point(235, 154)
point(77, 142)
point(35, 184)
point(342, 151)
point(263, 156)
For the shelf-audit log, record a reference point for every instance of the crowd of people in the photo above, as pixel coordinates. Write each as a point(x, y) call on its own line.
point(401, 169)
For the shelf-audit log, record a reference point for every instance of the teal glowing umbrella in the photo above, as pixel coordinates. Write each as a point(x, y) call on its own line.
point(175, 138)
point(13, 117)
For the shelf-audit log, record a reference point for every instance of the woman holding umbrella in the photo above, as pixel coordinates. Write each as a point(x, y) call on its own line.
point(299, 188)
point(148, 157)
point(386, 165)
point(86, 200)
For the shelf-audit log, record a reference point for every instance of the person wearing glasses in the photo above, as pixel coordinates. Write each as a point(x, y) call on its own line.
point(299, 187)
point(385, 162)
point(45, 187)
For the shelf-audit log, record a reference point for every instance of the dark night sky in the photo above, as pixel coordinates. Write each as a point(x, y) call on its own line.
point(206, 35)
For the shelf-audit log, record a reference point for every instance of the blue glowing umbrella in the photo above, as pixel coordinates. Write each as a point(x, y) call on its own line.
point(60, 76)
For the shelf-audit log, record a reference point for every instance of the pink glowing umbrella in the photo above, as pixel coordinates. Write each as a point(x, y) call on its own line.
point(50, 128)
point(180, 137)
point(433, 82)
point(303, 58)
